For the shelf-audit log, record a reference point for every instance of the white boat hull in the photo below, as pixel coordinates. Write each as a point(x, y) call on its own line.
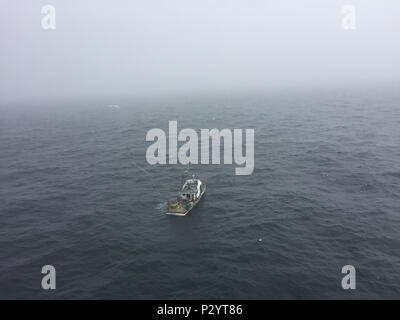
point(182, 214)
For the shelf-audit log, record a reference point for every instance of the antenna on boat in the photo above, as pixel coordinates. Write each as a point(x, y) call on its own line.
point(185, 174)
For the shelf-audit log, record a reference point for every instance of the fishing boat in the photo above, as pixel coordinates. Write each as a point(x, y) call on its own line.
point(188, 197)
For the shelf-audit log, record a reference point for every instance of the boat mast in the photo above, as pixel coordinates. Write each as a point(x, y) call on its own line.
point(185, 174)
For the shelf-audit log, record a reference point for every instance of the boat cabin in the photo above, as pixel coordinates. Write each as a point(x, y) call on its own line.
point(191, 190)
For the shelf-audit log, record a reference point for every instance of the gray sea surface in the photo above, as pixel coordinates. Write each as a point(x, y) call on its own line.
point(76, 192)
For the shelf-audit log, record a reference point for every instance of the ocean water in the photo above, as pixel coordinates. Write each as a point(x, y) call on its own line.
point(76, 192)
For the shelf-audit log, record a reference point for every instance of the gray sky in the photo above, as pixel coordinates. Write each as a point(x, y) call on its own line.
point(123, 48)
